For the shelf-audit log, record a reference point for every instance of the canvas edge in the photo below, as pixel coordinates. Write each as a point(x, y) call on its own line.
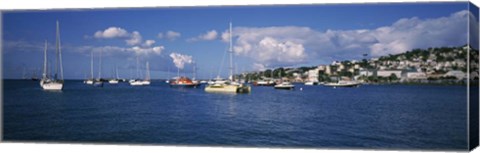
point(472, 103)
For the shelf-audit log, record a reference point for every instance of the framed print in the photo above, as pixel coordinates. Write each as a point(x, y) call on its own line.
point(394, 76)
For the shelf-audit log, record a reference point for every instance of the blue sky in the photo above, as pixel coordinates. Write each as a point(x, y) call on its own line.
point(263, 36)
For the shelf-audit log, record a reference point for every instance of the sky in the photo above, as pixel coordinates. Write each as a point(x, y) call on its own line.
point(180, 39)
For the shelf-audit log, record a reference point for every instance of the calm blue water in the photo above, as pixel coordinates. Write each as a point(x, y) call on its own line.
point(371, 116)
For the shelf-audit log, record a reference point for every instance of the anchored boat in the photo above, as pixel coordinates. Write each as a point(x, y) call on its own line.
point(53, 83)
point(343, 83)
point(183, 82)
point(229, 86)
point(284, 85)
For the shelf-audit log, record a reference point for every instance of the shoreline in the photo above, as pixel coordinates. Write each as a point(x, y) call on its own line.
point(387, 83)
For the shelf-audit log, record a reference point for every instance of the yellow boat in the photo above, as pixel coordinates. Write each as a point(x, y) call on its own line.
point(229, 86)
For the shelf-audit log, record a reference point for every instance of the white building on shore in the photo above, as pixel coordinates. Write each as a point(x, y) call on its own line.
point(367, 73)
point(455, 73)
point(312, 75)
point(416, 75)
point(388, 73)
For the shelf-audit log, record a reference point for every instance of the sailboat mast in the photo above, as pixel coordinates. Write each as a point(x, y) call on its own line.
point(44, 75)
point(194, 71)
point(116, 72)
point(148, 72)
point(100, 66)
point(91, 65)
point(59, 50)
point(56, 54)
point(137, 69)
point(230, 50)
point(271, 73)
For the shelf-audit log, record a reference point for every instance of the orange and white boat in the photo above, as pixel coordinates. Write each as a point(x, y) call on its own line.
point(183, 82)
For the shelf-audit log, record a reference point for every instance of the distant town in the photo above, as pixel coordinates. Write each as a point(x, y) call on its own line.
point(445, 65)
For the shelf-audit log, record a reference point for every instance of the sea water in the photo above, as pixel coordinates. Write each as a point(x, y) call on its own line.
point(370, 116)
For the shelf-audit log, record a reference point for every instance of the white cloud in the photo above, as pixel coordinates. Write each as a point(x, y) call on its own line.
point(290, 45)
point(120, 51)
point(259, 67)
point(170, 35)
point(274, 45)
point(226, 36)
point(286, 51)
point(149, 43)
point(111, 32)
point(146, 51)
point(180, 60)
point(135, 39)
point(158, 50)
point(409, 33)
point(209, 35)
point(132, 39)
point(21, 45)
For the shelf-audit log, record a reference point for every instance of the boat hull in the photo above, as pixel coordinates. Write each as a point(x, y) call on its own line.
point(89, 82)
point(342, 85)
point(228, 89)
point(146, 83)
point(264, 83)
point(311, 83)
point(183, 85)
point(113, 82)
point(284, 87)
point(136, 83)
point(52, 85)
point(98, 84)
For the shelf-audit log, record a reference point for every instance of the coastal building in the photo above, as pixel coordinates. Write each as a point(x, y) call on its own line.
point(336, 63)
point(455, 73)
point(357, 66)
point(297, 77)
point(351, 70)
point(388, 73)
point(321, 67)
point(367, 73)
point(340, 67)
point(312, 75)
point(328, 70)
point(474, 75)
point(448, 64)
point(416, 75)
point(459, 62)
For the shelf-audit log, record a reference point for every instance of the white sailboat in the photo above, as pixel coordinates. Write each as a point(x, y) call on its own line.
point(229, 86)
point(136, 82)
point(114, 80)
point(90, 80)
point(283, 84)
point(98, 82)
point(311, 83)
point(343, 83)
point(53, 83)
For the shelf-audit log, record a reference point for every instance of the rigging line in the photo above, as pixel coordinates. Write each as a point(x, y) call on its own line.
point(223, 61)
